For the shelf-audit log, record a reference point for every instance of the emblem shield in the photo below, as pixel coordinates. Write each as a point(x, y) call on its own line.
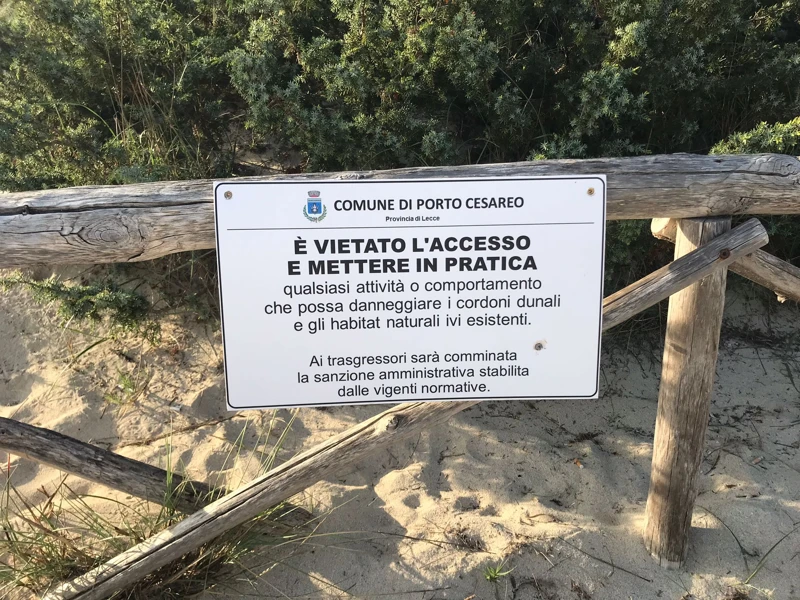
point(314, 206)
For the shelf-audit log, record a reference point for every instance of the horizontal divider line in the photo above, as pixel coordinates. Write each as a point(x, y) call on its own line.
point(408, 226)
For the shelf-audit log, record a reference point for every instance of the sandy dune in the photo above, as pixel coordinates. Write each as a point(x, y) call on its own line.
point(555, 491)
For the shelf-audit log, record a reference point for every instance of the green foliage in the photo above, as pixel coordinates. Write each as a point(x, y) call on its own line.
point(100, 91)
point(631, 252)
point(354, 84)
point(95, 91)
point(126, 310)
point(780, 138)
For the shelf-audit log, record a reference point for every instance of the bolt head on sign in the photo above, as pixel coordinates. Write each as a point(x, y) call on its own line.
point(375, 291)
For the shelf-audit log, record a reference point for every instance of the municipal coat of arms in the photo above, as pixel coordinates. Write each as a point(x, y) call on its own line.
point(314, 210)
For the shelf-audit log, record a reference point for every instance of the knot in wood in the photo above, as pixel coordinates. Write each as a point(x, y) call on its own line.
point(393, 422)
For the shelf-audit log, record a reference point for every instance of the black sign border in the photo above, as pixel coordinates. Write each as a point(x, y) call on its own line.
point(307, 182)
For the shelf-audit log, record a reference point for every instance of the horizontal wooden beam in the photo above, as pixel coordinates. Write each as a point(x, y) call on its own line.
point(101, 224)
point(760, 267)
point(101, 466)
point(397, 423)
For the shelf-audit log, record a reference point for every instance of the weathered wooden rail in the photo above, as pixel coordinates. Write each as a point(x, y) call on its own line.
point(128, 223)
point(139, 222)
point(101, 466)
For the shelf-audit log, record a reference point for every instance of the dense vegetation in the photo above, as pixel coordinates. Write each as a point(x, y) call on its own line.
point(97, 91)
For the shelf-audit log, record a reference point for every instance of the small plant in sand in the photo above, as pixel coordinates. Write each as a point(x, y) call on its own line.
point(129, 388)
point(127, 310)
point(494, 573)
point(68, 534)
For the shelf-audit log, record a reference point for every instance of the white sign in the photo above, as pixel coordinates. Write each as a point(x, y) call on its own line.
point(373, 291)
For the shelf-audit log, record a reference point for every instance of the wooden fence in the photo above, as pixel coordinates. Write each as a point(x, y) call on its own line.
point(690, 199)
point(140, 222)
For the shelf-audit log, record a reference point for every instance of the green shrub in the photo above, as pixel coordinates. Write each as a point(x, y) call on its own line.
point(781, 138)
point(355, 84)
point(127, 310)
point(93, 91)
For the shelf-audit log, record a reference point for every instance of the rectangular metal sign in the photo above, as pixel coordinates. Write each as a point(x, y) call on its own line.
point(373, 291)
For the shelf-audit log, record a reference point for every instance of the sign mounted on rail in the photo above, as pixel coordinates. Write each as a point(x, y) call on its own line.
point(374, 291)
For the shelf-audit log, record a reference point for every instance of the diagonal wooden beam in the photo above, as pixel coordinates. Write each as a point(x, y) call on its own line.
point(397, 423)
point(721, 251)
point(101, 466)
point(760, 267)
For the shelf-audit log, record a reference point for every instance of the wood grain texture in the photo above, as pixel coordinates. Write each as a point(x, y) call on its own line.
point(144, 221)
point(685, 270)
point(694, 321)
point(664, 229)
point(95, 464)
point(760, 267)
point(399, 422)
point(773, 273)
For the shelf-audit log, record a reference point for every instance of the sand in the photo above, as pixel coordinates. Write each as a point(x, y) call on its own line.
point(552, 492)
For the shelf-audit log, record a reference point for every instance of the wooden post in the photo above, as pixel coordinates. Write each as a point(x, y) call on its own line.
point(694, 321)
